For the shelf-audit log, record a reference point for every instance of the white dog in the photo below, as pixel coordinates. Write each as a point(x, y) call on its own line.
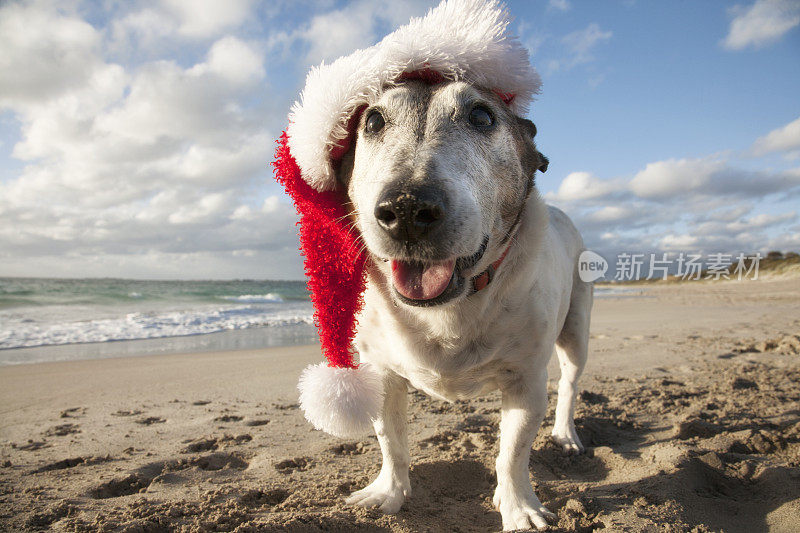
point(442, 181)
point(471, 279)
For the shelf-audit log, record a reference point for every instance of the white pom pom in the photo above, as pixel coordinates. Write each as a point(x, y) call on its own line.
point(341, 401)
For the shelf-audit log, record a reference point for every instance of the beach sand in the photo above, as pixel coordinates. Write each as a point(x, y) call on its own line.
point(690, 408)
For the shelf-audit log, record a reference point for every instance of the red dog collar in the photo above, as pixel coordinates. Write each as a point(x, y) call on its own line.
point(482, 280)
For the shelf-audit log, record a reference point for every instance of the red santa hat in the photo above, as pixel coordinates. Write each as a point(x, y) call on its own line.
point(464, 40)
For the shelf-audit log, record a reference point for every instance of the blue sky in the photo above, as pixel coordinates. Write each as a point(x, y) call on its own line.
point(135, 137)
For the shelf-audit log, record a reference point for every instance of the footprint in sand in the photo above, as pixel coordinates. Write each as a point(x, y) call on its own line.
point(122, 412)
point(31, 445)
point(441, 440)
point(39, 521)
point(73, 462)
point(62, 430)
point(72, 412)
point(206, 444)
point(743, 383)
point(287, 466)
point(219, 461)
point(229, 418)
point(692, 428)
point(259, 498)
point(349, 448)
point(140, 480)
point(201, 445)
point(150, 420)
point(121, 486)
point(477, 424)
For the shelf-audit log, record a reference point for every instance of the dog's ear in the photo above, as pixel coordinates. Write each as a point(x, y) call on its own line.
point(344, 167)
point(531, 157)
point(544, 162)
point(527, 126)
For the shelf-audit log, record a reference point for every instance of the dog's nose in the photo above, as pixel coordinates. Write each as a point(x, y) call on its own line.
point(410, 214)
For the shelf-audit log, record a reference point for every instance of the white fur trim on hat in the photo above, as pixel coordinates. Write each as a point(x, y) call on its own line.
point(341, 401)
point(460, 39)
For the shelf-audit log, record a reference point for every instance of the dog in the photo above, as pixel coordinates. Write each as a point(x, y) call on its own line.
point(472, 281)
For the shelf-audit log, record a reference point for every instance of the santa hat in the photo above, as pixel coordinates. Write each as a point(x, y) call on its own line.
point(458, 40)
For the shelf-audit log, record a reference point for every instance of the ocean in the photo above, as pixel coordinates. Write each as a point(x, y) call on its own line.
point(56, 319)
point(66, 319)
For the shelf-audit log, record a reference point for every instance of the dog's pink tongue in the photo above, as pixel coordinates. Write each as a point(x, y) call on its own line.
point(418, 281)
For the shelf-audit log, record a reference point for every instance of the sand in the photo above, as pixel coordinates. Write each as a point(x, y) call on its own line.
point(690, 408)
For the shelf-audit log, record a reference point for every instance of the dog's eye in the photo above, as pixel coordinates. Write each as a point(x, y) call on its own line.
point(480, 117)
point(375, 122)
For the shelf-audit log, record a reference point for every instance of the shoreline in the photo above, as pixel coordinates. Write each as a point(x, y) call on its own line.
point(255, 338)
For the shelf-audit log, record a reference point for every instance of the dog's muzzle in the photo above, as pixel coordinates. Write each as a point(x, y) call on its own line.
point(414, 217)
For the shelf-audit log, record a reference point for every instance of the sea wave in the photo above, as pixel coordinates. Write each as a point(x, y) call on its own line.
point(19, 333)
point(270, 297)
point(607, 292)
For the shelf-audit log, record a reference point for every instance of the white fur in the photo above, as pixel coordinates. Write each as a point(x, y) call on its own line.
point(341, 401)
point(460, 39)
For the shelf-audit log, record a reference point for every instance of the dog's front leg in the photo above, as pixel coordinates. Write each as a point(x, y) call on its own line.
point(391, 487)
point(523, 409)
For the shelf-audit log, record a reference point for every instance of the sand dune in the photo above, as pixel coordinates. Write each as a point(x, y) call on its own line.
point(689, 408)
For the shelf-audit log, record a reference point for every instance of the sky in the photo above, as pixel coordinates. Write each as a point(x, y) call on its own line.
point(136, 137)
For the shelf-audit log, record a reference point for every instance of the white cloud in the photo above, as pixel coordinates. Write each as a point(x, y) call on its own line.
point(147, 27)
point(356, 25)
point(234, 61)
point(704, 178)
point(729, 214)
point(667, 178)
point(155, 161)
point(579, 46)
point(680, 242)
point(783, 139)
point(691, 205)
point(207, 18)
point(338, 33)
point(44, 53)
point(582, 186)
point(762, 23)
point(763, 220)
point(159, 25)
point(611, 213)
point(560, 5)
point(243, 263)
point(531, 38)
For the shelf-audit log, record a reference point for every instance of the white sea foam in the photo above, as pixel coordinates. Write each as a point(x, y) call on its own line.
point(606, 291)
point(270, 297)
point(17, 331)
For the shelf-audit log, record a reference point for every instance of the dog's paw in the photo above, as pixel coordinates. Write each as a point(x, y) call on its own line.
point(386, 493)
point(520, 509)
point(568, 439)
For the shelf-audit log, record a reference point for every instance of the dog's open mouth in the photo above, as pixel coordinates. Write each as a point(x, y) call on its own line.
point(432, 283)
point(422, 281)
